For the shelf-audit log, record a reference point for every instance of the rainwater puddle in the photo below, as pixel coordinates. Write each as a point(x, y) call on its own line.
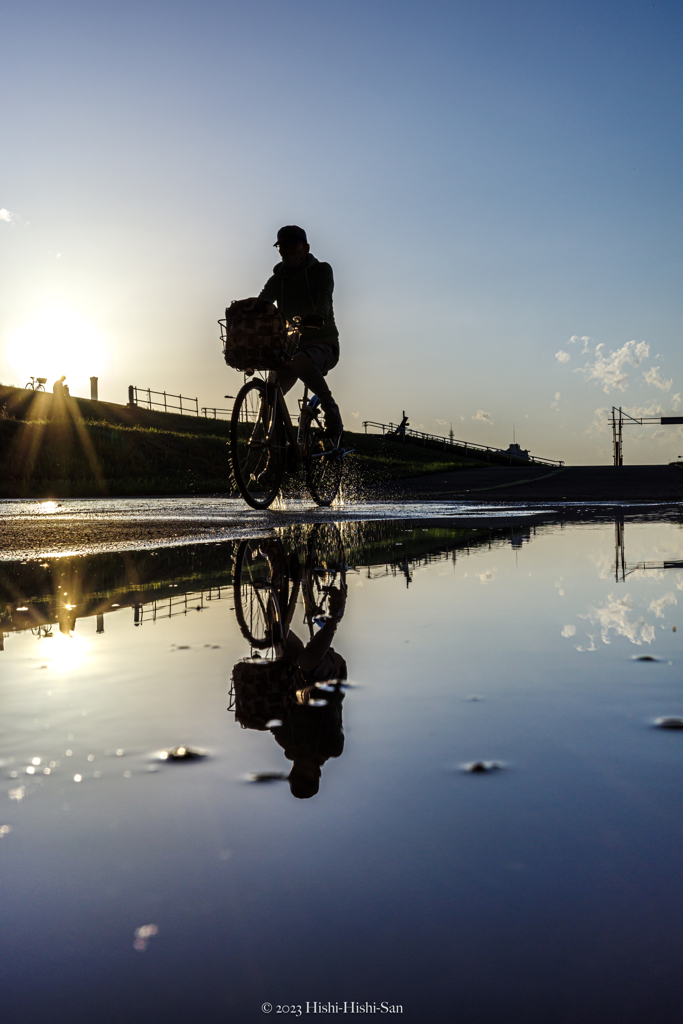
point(357, 675)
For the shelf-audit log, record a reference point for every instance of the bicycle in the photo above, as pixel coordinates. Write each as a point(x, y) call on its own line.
point(36, 384)
point(263, 441)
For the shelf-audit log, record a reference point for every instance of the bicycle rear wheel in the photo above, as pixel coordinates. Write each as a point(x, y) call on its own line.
point(257, 452)
point(323, 460)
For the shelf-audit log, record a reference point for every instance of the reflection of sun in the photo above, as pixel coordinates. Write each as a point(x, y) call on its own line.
point(66, 653)
point(56, 341)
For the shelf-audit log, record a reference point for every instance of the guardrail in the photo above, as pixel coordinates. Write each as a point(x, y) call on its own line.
point(447, 442)
point(143, 397)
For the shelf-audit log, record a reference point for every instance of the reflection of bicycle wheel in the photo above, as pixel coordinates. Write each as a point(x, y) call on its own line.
point(325, 565)
point(257, 453)
point(323, 461)
point(261, 586)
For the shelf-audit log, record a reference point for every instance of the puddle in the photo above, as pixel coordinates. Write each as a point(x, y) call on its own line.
point(362, 664)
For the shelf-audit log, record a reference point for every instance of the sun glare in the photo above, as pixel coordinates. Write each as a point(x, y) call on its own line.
point(56, 341)
point(65, 653)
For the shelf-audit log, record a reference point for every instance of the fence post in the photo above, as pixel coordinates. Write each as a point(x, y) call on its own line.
point(165, 409)
point(131, 395)
point(181, 404)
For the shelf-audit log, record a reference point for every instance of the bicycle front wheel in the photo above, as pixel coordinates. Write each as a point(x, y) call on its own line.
point(256, 445)
point(323, 462)
point(261, 587)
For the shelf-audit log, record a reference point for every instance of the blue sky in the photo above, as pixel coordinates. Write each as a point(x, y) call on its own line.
point(488, 180)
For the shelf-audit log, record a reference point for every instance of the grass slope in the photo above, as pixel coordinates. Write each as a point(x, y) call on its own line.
point(80, 458)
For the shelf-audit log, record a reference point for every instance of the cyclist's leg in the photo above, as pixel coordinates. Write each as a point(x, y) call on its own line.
point(309, 366)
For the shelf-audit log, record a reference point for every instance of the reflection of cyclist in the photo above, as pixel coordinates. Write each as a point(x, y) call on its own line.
point(311, 732)
point(306, 719)
point(302, 286)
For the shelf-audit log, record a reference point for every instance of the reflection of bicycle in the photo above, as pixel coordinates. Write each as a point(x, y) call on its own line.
point(264, 443)
point(264, 574)
point(36, 384)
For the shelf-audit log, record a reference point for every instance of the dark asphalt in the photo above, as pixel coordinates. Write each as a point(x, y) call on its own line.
point(542, 484)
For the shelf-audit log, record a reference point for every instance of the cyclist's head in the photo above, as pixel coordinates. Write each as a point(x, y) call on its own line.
point(292, 245)
point(304, 778)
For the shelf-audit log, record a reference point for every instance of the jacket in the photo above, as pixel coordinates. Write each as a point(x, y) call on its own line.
point(303, 291)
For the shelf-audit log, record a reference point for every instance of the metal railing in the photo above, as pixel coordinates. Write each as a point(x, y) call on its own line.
point(212, 413)
point(447, 442)
point(142, 397)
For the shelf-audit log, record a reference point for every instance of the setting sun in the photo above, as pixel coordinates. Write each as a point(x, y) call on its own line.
point(56, 341)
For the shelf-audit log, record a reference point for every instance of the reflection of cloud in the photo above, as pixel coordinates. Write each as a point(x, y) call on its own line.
point(484, 416)
point(658, 606)
point(608, 370)
point(614, 616)
point(485, 577)
point(652, 377)
point(562, 357)
point(569, 631)
point(441, 423)
point(355, 415)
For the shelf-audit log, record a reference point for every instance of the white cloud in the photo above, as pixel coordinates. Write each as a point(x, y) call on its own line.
point(608, 370)
point(613, 615)
point(7, 216)
point(485, 416)
point(562, 357)
point(658, 606)
point(676, 401)
point(355, 415)
point(599, 424)
point(569, 631)
point(441, 423)
point(652, 377)
point(557, 396)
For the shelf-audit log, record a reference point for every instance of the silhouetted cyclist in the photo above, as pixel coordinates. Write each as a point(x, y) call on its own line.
point(302, 286)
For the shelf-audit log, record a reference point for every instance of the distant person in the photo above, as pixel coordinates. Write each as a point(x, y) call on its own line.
point(302, 286)
point(401, 428)
point(58, 387)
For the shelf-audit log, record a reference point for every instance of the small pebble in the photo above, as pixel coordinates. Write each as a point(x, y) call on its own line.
point(479, 767)
point(181, 754)
point(266, 777)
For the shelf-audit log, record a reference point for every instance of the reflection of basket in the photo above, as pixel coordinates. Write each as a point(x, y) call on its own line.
point(255, 336)
point(263, 691)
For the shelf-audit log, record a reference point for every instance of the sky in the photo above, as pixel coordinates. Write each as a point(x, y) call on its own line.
point(496, 185)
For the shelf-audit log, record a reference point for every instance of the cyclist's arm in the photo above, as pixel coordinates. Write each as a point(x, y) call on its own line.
point(270, 291)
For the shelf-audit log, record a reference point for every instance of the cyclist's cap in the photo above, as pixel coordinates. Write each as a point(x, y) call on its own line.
point(290, 233)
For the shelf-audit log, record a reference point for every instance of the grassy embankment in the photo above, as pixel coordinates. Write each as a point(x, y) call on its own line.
point(88, 449)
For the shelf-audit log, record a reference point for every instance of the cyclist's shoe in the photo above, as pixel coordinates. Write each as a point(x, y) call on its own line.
point(333, 420)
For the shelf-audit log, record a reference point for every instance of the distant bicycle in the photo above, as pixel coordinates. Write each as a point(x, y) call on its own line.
point(36, 384)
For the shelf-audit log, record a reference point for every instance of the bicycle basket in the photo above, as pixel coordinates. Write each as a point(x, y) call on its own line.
point(255, 336)
point(263, 691)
